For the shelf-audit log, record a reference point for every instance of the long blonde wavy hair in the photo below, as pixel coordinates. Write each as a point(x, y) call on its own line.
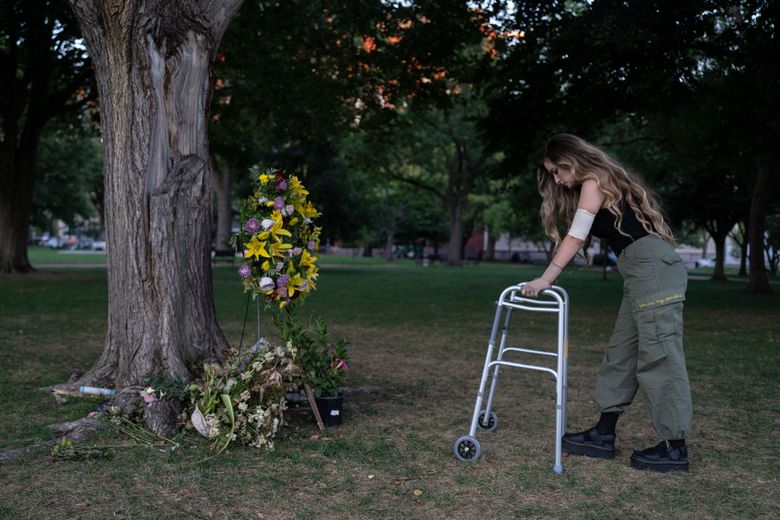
point(587, 161)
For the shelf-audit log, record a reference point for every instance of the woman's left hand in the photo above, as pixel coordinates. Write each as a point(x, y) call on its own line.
point(534, 287)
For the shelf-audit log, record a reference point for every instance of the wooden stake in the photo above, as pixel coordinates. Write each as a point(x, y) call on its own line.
point(313, 405)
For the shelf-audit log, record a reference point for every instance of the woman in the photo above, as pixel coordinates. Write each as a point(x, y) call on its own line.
point(584, 188)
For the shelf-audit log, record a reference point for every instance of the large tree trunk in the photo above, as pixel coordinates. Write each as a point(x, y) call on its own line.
point(224, 211)
point(17, 179)
point(152, 60)
point(759, 281)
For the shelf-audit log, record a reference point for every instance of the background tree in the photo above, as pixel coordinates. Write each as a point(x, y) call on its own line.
point(711, 53)
point(153, 61)
point(70, 176)
point(44, 72)
point(288, 78)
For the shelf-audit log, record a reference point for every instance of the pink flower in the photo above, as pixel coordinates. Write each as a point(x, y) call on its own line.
point(340, 363)
point(148, 394)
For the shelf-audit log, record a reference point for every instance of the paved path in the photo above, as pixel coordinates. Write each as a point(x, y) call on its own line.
point(739, 279)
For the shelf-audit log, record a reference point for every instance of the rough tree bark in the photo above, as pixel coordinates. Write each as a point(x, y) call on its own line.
point(224, 214)
point(17, 180)
point(152, 61)
point(758, 282)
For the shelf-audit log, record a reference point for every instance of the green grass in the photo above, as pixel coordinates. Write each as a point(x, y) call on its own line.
point(43, 255)
point(420, 335)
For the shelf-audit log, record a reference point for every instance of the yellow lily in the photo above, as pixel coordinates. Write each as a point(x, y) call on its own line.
point(310, 285)
point(307, 260)
point(278, 248)
point(276, 230)
point(256, 248)
point(265, 178)
point(295, 185)
point(307, 210)
point(294, 284)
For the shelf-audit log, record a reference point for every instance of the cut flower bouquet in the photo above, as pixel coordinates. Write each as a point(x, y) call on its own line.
point(244, 399)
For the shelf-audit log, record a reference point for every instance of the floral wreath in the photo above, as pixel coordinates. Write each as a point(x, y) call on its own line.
point(278, 238)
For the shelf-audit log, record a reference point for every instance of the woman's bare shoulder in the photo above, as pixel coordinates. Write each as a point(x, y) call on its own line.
point(591, 197)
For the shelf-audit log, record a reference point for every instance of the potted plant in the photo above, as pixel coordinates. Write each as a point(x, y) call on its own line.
point(323, 363)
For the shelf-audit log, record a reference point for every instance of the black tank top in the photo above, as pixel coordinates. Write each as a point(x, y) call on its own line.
point(604, 227)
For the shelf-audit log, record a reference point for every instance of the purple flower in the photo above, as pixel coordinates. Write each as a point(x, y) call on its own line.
point(245, 271)
point(281, 186)
point(281, 282)
point(312, 246)
point(252, 225)
point(279, 203)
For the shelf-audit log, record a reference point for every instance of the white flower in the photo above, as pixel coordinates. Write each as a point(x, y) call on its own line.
point(243, 406)
point(290, 208)
point(266, 283)
point(267, 223)
point(279, 266)
point(231, 382)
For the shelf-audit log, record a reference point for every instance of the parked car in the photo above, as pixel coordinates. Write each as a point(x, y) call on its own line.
point(54, 243)
point(705, 262)
point(99, 245)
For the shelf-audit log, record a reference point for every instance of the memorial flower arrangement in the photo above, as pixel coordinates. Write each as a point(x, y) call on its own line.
point(244, 399)
point(278, 238)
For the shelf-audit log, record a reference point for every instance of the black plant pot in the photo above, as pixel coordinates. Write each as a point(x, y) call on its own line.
point(330, 409)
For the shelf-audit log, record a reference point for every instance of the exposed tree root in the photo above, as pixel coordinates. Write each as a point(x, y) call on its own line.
point(81, 430)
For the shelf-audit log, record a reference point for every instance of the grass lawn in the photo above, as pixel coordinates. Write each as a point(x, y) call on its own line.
point(46, 256)
point(420, 335)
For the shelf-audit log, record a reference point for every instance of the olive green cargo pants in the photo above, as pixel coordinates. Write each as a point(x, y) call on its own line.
point(646, 347)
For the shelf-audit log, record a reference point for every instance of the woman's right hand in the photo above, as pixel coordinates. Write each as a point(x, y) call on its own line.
point(534, 287)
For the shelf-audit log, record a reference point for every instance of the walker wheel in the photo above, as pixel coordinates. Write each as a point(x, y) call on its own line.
point(491, 424)
point(467, 448)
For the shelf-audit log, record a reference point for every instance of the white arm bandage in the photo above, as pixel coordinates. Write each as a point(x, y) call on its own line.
point(580, 226)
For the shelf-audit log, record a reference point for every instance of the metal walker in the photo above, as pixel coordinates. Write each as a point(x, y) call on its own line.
point(552, 300)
